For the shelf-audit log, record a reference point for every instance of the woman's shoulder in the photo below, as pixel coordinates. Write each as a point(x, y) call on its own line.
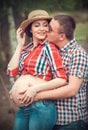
point(27, 46)
point(51, 45)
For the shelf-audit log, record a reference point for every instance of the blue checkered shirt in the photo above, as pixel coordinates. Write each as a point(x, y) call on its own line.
point(75, 60)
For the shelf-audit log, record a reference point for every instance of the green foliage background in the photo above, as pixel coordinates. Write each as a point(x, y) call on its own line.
point(49, 5)
point(77, 8)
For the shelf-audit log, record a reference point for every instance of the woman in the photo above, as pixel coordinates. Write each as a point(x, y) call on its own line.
point(40, 59)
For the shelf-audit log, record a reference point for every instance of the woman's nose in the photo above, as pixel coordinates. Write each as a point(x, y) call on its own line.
point(41, 27)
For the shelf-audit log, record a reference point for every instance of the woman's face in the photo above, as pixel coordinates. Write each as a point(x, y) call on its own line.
point(39, 30)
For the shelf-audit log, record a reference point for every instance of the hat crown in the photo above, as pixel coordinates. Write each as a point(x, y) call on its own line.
point(38, 14)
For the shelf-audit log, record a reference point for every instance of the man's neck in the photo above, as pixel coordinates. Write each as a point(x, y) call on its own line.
point(61, 44)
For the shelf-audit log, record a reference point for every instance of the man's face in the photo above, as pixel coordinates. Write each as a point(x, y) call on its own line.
point(54, 35)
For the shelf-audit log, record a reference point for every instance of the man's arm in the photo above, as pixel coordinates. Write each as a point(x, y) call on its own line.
point(66, 91)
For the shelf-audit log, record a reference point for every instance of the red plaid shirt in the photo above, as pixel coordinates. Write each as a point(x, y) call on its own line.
point(43, 61)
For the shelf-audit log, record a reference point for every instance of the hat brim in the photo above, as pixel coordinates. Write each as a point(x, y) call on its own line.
point(27, 22)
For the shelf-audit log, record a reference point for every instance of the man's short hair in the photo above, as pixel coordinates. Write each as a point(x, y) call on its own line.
point(67, 24)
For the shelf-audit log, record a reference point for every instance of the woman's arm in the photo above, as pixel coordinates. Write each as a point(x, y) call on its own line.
point(21, 36)
point(52, 84)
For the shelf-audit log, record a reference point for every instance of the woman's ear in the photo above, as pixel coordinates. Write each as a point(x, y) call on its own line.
point(30, 30)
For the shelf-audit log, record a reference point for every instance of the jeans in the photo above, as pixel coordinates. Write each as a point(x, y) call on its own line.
point(77, 125)
point(40, 115)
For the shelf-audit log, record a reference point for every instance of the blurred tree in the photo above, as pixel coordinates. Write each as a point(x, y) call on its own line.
point(12, 31)
point(20, 10)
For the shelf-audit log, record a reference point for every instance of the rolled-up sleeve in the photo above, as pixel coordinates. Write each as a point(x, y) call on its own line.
point(55, 61)
point(12, 72)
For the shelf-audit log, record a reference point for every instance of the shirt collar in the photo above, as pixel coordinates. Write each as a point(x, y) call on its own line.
point(68, 46)
point(41, 42)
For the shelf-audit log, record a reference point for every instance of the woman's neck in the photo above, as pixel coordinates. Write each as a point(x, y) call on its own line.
point(35, 42)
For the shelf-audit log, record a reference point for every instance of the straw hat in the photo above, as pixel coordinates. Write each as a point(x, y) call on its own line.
point(33, 16)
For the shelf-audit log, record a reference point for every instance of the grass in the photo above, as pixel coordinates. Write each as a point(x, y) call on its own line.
point(81, 32)
point(81, 18)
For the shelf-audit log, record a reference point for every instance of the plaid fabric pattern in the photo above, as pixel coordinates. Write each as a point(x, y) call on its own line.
point(75, 60)
point(43, 61)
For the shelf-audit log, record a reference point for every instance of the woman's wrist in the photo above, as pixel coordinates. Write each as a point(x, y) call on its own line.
point(19, 46)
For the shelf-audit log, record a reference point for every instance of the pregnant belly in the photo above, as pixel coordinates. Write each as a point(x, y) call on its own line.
point(15, 94)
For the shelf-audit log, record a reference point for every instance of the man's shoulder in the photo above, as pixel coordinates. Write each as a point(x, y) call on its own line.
point(77, 48)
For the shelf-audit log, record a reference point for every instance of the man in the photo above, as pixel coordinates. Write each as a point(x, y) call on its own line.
point(72, 98)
